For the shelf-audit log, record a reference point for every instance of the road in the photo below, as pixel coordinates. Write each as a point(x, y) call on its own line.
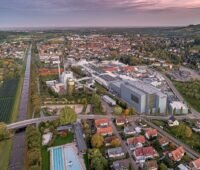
point(188, 150)
point(195, 114)
point(18, 148)
point(124, 146)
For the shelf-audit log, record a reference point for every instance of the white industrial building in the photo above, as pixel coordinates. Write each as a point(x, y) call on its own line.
point(143, 97)
point(65, 76)
point(178, 107)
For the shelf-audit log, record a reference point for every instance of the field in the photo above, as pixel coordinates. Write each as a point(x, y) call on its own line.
point(191, 92)
point(7, 98)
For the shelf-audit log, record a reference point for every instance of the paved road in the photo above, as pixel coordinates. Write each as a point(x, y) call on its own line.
point(176, 92)
point(124, 146)
point(188, 150)
point(24, 123)
point(17, 153)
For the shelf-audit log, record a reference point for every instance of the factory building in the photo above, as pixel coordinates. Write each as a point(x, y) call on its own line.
point(177, 107)
point(143, 97)
point(65, 76)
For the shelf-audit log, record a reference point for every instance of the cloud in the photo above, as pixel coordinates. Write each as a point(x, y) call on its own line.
point(78, 5)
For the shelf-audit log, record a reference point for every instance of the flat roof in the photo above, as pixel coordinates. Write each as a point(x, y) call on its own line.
point(178, 105)
point(144, 87)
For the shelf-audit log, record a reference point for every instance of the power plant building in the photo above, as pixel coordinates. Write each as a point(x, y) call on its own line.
point(143, 97)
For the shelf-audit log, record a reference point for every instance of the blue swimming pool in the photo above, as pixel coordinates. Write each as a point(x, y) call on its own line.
point(58, 163)
point(72, 161)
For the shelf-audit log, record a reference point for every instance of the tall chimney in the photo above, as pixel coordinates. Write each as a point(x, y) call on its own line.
point(59, 70)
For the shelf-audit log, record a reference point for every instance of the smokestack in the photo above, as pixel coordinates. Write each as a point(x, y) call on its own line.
point(59, 70)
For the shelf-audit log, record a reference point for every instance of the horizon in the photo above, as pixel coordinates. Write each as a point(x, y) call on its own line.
point(98, 13)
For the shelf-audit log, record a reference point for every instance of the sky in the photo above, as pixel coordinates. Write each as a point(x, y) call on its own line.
point(87, 13)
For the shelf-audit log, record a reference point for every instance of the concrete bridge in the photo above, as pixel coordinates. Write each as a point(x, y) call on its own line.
point(24, 123)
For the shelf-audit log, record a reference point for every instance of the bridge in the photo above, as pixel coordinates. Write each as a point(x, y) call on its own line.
point(84, 78)
point(25, 123)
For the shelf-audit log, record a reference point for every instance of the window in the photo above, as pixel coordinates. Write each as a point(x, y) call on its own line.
point(134, 98)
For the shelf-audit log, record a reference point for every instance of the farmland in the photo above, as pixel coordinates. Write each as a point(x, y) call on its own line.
point(7, 98)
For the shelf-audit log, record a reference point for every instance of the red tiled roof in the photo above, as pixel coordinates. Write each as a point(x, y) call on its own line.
point(98, 122)
point(128, 68)
point(121, 120)
point(178, 153)
point(136, 140)
point(152, 132)
point(110, 69)
point(145, 151)
point(109, 139)
point(104, 130)
point(196, 163)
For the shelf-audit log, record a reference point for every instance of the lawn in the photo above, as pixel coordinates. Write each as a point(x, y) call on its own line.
point(86, 161)
point(5, 148)
point(190, 91)
point(57, 141)
point(192, 141)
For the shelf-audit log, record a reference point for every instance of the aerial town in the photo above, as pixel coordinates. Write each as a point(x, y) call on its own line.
point(98, 101)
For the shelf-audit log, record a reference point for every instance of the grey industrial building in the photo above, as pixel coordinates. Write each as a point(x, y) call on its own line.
point(143, 97)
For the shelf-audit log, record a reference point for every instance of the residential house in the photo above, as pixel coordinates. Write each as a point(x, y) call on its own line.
point(151, 133)
point(105, 131)
point(173, 122)
point(163, 141)
point(141, 154)
point(129, 130)
point(177, 154)
point(123, 164)
point(101, 122)
point(151, 165)
point(116, 152)
point(136, 142)
point(109, 139)
point(182, 167)
point(195, 165)
point(120, 121)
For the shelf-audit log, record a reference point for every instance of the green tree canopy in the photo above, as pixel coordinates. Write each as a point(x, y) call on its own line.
point(117, 110)
point(163, 167)
point(67, 116)
point(4, 133)
point(97, 141)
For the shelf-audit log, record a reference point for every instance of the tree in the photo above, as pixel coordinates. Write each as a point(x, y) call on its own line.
point(126, 112)
point(163, 167)
point(115, 142)
point(98, 162)
point(97, 141)
point(131, 111)
point(4, 133)
point(188, 132)
point(174, 111)
point(34, 157)
point(67, 115)
point(96, 102)
point(117, 110)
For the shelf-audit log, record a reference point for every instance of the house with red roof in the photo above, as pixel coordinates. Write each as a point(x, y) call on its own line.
point(151, 133)
point(177, 154)
point(195, 165)
point(141, 154)
point(120, 121)
point(136, 142)
point(109, 139)
point(105, 131)
point(101, 122)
